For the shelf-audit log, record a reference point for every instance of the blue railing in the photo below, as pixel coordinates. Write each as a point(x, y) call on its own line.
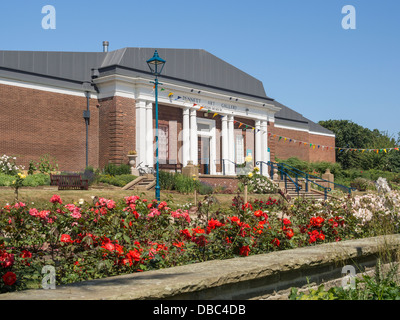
point(284, 175)
point(309, 178)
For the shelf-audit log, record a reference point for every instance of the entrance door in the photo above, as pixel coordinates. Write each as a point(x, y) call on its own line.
point(204, 154)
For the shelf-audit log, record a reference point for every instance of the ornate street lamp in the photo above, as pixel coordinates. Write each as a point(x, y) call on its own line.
point(156, 65)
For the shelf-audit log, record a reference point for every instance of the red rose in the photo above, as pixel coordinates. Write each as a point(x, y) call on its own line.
point(9, 278)
point(276, 242)
point(56, 199)
point(258, 213)
point(244, 251)
point(6, 259)
point(65, 238)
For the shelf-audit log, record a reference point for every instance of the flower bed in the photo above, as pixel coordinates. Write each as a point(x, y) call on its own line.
point(110, 237)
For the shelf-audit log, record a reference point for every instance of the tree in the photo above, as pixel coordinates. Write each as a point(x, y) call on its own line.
point(350, 135)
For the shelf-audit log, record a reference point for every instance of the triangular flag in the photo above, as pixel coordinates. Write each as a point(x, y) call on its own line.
point(194, 104)
point(215, 114)
point(170, 94)
point(162, 89)
point(201, 107)
point(240, 125)
point(280, 138)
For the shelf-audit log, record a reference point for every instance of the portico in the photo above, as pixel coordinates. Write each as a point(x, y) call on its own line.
point(208, 133)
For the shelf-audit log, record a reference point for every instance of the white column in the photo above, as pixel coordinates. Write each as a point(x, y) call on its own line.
point(141, 132)
point(225, 143)
point(231, 145)
point(264, 146)
point(193, 137)
point(257, 133)
point(185, 137)
point(213, 151)
point(149, 135)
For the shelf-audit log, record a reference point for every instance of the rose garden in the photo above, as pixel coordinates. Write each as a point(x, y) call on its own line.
point(105, 236)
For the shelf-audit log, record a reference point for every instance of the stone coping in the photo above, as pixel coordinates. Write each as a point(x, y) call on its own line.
point(237, 278)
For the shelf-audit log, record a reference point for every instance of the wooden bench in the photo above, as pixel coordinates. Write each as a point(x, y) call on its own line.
point(69, 182)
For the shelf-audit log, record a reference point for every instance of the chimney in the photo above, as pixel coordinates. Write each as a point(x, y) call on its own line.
point(105, 46)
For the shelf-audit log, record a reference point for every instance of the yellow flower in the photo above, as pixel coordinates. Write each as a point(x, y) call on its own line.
point(250, 174)
point(256, 169)
point(13, 182)
point(249, 158)
point(23, 176)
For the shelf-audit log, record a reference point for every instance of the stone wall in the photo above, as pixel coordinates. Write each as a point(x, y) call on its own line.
point(239, 278)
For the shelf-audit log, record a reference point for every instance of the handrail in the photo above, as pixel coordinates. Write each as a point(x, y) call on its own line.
point(281, 167)
point(349, 189)
point(258, 163)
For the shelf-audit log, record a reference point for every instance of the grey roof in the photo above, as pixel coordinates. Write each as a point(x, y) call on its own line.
point(72, 66)
point(195, 67)
point(287, 116)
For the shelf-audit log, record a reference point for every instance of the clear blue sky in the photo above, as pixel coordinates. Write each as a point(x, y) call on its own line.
point(298, 49)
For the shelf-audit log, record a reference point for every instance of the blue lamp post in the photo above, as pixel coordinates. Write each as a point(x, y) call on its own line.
point(156, 65)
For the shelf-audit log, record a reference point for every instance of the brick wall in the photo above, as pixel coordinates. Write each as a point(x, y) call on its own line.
point(282, 149)
point(117, 133)
point(322, 154)
point(34, 123)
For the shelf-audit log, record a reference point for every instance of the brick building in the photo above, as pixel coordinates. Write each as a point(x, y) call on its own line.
point(208, 111)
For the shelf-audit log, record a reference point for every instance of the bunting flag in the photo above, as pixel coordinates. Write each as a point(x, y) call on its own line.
point(286, 139)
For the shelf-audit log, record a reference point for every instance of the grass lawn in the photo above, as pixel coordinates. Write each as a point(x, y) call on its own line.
point(42, 195)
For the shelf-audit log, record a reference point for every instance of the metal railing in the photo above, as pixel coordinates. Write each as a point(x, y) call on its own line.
point(309, 178)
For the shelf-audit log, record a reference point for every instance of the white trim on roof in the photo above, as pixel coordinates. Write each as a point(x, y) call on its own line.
point(41, 87)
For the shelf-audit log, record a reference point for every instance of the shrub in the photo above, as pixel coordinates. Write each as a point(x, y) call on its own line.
point(119, 180)
point(184, 184)
point(205, 188)
point(178, 182)
point(167, 181)
point(256, 183)
point(360, 184)
point(38, 179)
point(8, 165)
point(47, 163)
point(116, 170)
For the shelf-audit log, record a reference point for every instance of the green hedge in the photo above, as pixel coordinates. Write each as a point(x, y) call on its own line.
point(39, 179)
point(178, 182)
point(119, 180)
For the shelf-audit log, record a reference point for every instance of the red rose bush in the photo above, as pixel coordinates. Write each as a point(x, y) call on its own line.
point(108, 237)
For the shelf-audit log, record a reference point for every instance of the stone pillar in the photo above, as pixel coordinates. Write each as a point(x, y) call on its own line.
point(185, 137)
point(330, 177)
point(193, 137)
point(258, 150)
point(225, 144)
point(264, 146)
point(231, 145)
point(149, 135)
point(141, 132)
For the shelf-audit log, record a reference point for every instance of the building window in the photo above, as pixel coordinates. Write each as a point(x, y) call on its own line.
point(163, 144)
point(239, 149)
